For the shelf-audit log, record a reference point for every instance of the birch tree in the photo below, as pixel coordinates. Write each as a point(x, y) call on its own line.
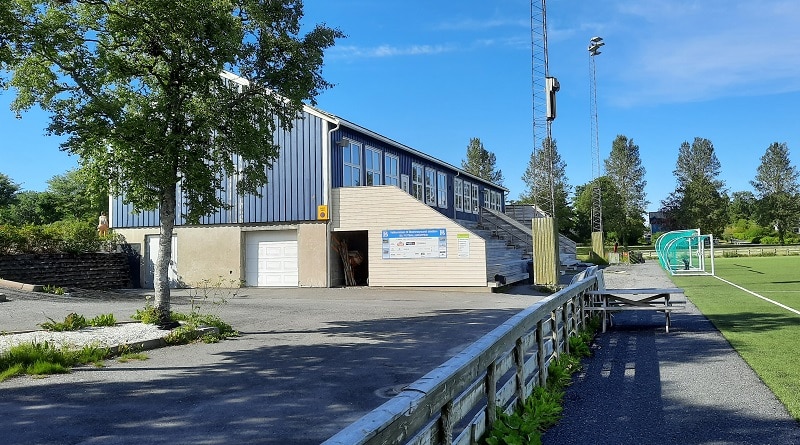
point(135, 87)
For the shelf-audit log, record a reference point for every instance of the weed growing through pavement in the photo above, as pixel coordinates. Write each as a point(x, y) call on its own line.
point(46, 358)
point(55, 290)
point(75, 322)
point(205, 298)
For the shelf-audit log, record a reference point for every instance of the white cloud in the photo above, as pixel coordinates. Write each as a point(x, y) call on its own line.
point(359, 52)
point(707, 50)
point(481, 24)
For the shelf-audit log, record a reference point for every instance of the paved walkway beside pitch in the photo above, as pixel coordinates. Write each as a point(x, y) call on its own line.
point(644, 386)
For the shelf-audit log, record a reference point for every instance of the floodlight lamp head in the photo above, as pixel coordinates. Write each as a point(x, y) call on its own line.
point(343, 142)
point(596, 39)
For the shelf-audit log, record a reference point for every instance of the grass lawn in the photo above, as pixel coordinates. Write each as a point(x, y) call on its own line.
point(765, 335)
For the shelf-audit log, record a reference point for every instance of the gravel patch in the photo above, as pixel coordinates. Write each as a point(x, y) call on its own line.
point(106, 336)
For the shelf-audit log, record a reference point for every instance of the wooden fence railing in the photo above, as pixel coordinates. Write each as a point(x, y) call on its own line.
point(720, 252)
point(457, 402)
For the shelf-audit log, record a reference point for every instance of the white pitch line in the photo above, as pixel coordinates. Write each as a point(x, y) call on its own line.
point(760, 296)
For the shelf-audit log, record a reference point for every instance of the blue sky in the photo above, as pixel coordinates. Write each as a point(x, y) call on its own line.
point(432, 75)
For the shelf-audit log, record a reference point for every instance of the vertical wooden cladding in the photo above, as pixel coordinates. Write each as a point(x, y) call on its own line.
point(293, 190)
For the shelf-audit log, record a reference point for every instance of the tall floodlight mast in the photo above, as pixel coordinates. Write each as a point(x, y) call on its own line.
point(597, 194)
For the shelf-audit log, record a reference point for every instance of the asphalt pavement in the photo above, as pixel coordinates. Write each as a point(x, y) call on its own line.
point(644, 386)
point(311, 361)
point(308, 363)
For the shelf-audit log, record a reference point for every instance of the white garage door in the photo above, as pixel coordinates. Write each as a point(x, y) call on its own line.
point(271, 258)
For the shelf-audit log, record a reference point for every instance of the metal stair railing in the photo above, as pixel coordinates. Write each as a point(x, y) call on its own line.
point(510, 227)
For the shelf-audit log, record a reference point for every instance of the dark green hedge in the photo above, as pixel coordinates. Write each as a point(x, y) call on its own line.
point(58, 237)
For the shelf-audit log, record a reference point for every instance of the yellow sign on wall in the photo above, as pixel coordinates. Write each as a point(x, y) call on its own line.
point(322, 213)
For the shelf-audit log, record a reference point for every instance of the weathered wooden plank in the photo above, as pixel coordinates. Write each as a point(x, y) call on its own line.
point(506, 393)
point(467, 401)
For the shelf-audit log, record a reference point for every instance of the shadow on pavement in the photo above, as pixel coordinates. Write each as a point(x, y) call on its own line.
point(643, 386)
point(246, 391)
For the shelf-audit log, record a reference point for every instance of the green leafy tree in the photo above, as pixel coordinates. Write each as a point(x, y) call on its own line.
point(30, 208)
point(742, 206)
point(481, 162)
point(624, 167)
point(612, 207)
point(777, 190)
point(546, 173)
point(136, 87)
point(73, 197)
point(699, 200)
point(8, 190)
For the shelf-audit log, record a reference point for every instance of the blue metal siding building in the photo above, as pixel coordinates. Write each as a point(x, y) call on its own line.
point(296, 184)
point(334, 189)
point(292, 193)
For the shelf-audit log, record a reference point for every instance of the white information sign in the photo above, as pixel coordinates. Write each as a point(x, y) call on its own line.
point(414, 243)
point(463, 245)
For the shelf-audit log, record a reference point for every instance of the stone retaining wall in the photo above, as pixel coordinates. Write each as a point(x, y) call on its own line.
point(86, 271)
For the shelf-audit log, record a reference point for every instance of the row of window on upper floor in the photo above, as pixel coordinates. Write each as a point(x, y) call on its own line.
point(369, 166)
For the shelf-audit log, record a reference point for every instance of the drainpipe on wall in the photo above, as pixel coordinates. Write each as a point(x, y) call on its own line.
point(458, 174)
point(326, 185)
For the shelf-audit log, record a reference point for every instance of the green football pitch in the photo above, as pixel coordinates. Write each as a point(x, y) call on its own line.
point(757, 309)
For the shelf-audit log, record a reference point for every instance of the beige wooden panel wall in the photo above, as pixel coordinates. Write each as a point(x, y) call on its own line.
point(389, 208)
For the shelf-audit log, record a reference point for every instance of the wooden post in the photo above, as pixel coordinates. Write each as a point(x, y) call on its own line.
point(542, 358)
point(565, 323)
point(519, 361)
point(546, 260)
point(447, 424)
point(598, 246)
point(554, 334)
point(491, 396)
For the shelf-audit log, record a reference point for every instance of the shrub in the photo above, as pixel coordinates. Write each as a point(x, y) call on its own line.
point(770, 240)
point(71, 236)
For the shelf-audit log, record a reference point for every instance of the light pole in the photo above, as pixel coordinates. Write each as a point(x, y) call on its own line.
point(597, 200)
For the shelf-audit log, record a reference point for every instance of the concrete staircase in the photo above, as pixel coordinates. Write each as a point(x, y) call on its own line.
point(506, 261)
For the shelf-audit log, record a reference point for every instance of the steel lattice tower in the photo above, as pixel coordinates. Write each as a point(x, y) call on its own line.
point(544, 197)
point(597, 199)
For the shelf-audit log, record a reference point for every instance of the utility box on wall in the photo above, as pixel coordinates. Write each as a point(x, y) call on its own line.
point(322, 213)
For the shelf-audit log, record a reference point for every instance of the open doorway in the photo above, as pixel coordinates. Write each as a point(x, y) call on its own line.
point(352, 249)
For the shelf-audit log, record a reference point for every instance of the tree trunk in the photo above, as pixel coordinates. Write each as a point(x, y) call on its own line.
point(161, 276)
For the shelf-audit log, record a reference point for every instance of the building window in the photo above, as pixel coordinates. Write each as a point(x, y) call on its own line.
point(391, 170)
point(495, 200)
point(417, 182)
point(372, 161)
point(430, 186)
point(441, 189)
point(404, 183)
point(475, 199)
point(351, 160)
point(458, 194)
point(487, 202)
point(467, 197)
